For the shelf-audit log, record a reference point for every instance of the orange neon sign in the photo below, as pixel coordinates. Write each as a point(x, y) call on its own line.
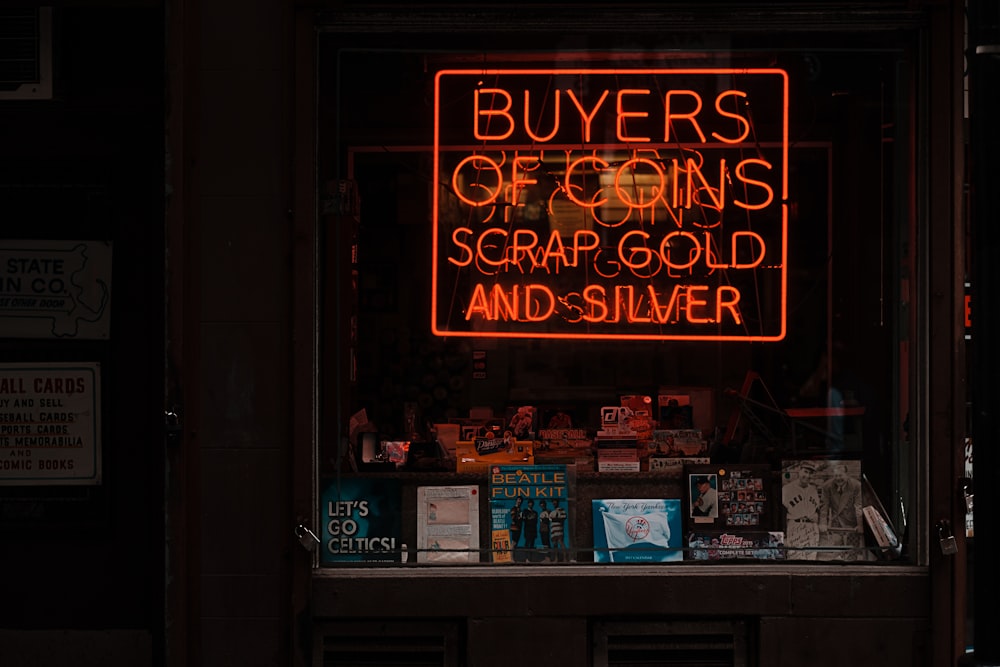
point(611, 204)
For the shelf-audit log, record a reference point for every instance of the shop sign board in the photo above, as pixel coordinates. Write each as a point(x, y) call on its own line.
point(610, 204)
point(361, 521)
point(55, 289)
point(50, 430)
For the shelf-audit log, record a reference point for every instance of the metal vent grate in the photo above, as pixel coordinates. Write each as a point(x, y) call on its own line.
point(670, 644)
point(379, 644)
point(26, 53)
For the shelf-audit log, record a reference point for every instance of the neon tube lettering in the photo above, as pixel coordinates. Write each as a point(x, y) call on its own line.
point(491, 112)
point(691, 116)
point(535, 302)
point(623, 115)
point(655, 237)
point(494, 106)
point(740, 120)
point(741, 176)
point(587, 118)
point(527, 115)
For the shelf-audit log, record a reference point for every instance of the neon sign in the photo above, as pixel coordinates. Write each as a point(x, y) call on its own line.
point(611, 204)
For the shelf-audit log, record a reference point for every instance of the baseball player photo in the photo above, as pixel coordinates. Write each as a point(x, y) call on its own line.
point(801, 499)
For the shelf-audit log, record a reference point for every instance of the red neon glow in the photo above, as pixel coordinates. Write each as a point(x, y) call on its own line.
point(671, 115)
point(588, 118)
point(524, 252)
point(637, 210)
point(628, 304)
point(527, 125)
point(685, 182)
point(740, 119)
point(623, 115)
point(491, 113)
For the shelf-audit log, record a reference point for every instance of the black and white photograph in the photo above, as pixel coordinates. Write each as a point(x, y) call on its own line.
point(801, 499)
point(822, 502)
point(841, 522)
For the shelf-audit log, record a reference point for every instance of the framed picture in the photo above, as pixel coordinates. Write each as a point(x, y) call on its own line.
point(823, 507)
point(744, 497)
point(703, 497)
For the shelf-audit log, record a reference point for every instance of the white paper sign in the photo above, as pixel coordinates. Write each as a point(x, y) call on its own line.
point(55, 289)
point(50, 431)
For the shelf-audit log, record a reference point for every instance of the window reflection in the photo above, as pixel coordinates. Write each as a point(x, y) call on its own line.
point(806, 364)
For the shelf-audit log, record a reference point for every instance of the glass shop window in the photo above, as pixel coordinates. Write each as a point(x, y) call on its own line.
point(614, 303)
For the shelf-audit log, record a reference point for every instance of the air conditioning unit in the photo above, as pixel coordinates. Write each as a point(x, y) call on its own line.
point(26, 54)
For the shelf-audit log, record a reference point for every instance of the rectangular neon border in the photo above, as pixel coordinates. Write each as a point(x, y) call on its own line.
point(712, 71)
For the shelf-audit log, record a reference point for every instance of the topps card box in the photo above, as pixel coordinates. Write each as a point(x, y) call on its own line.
point(742, 545)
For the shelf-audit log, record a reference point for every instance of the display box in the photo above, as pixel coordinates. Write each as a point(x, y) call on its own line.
point(477, 455)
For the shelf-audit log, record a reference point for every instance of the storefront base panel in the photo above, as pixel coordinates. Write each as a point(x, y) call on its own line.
point(501, 642)
point(82, 648)
point(593, 615)
point(858, 642)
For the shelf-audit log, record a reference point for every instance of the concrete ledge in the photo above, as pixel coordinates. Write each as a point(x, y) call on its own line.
point(603, 591)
